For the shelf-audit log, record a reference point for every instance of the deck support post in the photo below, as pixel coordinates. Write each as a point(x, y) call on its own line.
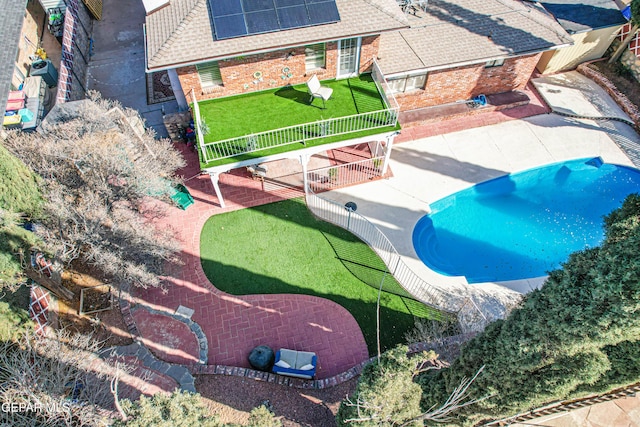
point(214, 180)
point(304, 160)
point(387, 152)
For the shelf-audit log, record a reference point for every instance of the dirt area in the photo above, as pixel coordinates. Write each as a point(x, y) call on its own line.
point(108, 326)
point(233, 397)
point(623, 80)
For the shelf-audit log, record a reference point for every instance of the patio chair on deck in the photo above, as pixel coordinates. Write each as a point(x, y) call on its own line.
point(316, 90)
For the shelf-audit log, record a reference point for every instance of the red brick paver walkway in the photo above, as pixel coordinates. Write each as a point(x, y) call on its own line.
point(167, 338)
point(234, 325)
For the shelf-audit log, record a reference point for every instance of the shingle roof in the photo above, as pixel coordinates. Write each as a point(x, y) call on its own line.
point(182, 31)
point(11, 20)
point(583, 15)
point(461, 31)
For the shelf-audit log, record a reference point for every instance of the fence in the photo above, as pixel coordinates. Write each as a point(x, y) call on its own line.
point(634, 45)
point(298, 134)
point(565, 406)
point(383, 87)
point(469, 315)
point(337, 176)
point(39, 308)
point(76, 50)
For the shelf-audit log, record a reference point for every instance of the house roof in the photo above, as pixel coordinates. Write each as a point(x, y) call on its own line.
point(453, 32)
point(11, 20)
point(577, 16)
point(182, 33)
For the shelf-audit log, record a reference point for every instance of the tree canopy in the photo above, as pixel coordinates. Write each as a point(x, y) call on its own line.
point(567, 338)
point(98, 172)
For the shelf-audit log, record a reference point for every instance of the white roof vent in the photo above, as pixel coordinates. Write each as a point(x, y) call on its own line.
point(151, 6)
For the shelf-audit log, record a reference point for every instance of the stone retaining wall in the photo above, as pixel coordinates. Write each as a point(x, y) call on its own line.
point(619, 97)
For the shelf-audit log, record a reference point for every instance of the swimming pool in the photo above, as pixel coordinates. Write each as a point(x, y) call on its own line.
point(525, 224)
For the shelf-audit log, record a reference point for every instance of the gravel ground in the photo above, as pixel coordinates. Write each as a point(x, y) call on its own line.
point(233, 397)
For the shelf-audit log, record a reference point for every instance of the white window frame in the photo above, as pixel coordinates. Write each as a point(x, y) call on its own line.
point(494, 63)
point(211, 73)
point(407, 83)
point(315, 56)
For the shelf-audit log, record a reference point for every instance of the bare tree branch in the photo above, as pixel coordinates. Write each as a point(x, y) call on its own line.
point(99, 180)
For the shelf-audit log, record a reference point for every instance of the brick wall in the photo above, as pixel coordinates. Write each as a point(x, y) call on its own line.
point(238, 73)
point(462, 83)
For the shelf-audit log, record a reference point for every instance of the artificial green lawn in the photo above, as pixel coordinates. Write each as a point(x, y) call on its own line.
point(251, 113)
point(282, 248)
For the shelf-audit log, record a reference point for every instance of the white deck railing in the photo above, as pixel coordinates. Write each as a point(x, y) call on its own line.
point(299, 134)
point(325, 179)
point(383, 87)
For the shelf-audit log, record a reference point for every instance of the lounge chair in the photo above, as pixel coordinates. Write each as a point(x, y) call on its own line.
point(316, 90)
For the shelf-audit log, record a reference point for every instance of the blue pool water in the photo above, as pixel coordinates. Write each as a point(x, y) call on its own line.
point(524, 224)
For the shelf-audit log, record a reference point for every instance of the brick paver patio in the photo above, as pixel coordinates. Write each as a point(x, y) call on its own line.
point(234, 325)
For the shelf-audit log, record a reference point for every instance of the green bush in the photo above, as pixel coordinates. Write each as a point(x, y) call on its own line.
point(571, 336)
point(179, 409)
point(19, 197)
point(13, 321)
point(19, 186)
point(386, 394)
point(263, 417)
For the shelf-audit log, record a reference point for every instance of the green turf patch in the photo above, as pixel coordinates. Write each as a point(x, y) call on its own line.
point(250, 113)
point(282, 248)
point(256, 112)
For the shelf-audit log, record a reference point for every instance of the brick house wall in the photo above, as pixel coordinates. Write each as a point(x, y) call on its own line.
point(462, 83)
point(238, 73)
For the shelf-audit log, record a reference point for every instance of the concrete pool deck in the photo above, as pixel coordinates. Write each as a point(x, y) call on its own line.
point(428, 169)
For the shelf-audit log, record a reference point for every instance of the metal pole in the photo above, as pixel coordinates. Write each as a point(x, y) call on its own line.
point(378, 314)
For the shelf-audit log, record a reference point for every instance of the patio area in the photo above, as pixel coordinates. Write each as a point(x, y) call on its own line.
point(429, 169)
point(280, 120)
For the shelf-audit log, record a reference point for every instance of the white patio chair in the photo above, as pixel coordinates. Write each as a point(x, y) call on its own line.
point(316, 90)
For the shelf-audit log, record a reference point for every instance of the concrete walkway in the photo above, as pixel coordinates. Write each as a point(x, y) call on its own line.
point(624, 412)
point(428, 169)
point(574, 94)
point(117, 66)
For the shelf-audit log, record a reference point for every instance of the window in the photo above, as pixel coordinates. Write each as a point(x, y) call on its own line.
point(407, 83)
point(209, 75)
point(494, 63)
point(314, 56)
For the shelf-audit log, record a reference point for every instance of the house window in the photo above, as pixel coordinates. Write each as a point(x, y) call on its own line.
point(314, 56)
point(209, 75)
point(494, 63)
point(407, 83)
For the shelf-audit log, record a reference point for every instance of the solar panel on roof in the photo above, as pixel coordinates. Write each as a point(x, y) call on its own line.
point(235, 18)
point(255, 5)
point(230, 26)
point(322, 13)
point(227, 7)
point(293, 17)
point(263, 21)
point(285, 3)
